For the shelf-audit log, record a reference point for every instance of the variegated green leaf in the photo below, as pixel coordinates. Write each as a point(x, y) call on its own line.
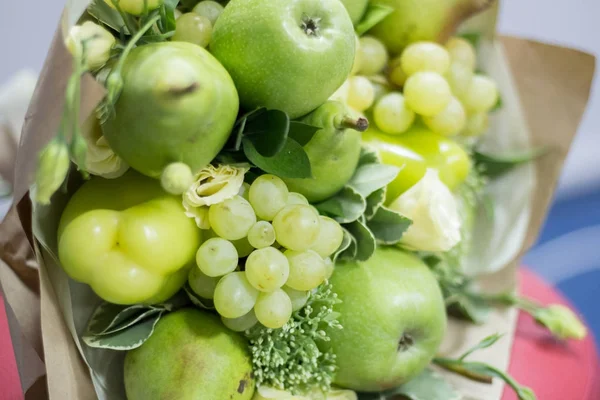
point(346, 242)
point(110, 317)
point(198, 301)
point(365, 241)
point(388, 226)
point(374, 201)
point(346, 206)
point(370, 177)
point(126, 339)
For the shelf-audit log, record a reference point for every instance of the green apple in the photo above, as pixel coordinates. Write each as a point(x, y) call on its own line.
point(356, 9)
point(190, 356)
point(416, 20)
point(178, 104)
point(289, 55)
point(393, 319)
point(128, 239)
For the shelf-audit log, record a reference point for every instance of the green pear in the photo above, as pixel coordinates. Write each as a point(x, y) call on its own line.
point(356, 9)
point(393, 317)
point(190, 356)
point(415, 20)
point(333, 151)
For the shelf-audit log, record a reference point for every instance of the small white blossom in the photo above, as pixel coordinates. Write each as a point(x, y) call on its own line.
point(434, 212)
point(96, 40)
point(100, 158)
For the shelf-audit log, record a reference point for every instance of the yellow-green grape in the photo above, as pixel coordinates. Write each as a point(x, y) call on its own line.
point(242, 323)
point(357, 57)
point(273, 309)
point(232, 218)
point(243, 247)
point(396, 74)
point(482, 94)
point(373, 56)
point(135, 7)
point(209, 9)
point(267, 269)
point(391, 114)
point(296, 198)
point(361, 93)
point(330, 266)
point(298, 297)
point(297, 227)
point(217, 257)
point(459, 78)
point(450, 121)
point(193, 28)
point(201, 284)
point(427, 93)
point(268, 195)
point(330, 237)
point(477, 124)
point(425, 56)
point(307, 269)
point(245, 191)
point(234, 295)
point(261, 235)
point(462, 52)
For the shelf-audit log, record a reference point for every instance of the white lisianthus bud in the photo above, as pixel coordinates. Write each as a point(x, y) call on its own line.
point(53, 167)
point(100, 159)
point(135, 7)
point(212, 185)
point(97, 41)
point(561, 321)
point(434, 212)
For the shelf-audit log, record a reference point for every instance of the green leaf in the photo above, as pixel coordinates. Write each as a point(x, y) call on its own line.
point(166, 23)
point(107, 15)
point(110, 317)
point(268, 131)
point(468, 308)
point(126, 339)
point(495, 165)
point(198, 301)
point(290, 162)
point(429, 385)
point(374, 201)
point(370, 177)
point(374, 14)
point(350, 252)
point(484, 344)
point(365, 241)
point(346, 242)
point(235, 140)
point(301, 132)
point(388, 226)
point(346, 206)
point(472, 37)
point(368, 156)
point(499, 103)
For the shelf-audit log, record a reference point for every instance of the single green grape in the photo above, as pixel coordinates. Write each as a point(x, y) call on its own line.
point(391, 114)
point(268, 195)
point(193, 28)
point(135, 7)
point(450, 121)
point(425, 56)
point(201, 284)
point(373, 55)
point(396, 74)
point(296, 198)
point(427, 93)
point(209, 9)
point(297, 227)
point(234, 295)
point(242, 323)
point(459, 78)
point(462, 52)
point(330, 237)
point(477, 124)
point(482, 94)
point(267, 269)
point(307, 269)
point(262, 234)
point(273, 309)
point(361, 93)
point(217, 257)
point(298, 297)
point(232, 218)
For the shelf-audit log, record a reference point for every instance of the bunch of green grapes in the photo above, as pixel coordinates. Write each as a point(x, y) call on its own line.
point(285, 246)
point(437, 83)
point(196, 26)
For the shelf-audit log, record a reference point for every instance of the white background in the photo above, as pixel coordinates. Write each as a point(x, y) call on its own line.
point(26, 29)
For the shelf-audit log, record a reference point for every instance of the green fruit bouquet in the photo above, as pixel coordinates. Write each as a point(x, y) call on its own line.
point(276, 199)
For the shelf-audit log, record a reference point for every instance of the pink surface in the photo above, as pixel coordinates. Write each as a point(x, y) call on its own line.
point(554, 370)
point(10, 383)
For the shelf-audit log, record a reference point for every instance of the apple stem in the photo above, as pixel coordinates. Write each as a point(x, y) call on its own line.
point(358, 124)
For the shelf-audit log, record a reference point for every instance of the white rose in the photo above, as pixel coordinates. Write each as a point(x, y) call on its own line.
point(100, 158)
point(212, 185)
point(434, 212)
point(98, 43)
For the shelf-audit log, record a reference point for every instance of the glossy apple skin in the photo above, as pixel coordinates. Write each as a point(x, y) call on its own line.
point(274, 62)
point(392, 294)
point(128, 239)
point(416, 150)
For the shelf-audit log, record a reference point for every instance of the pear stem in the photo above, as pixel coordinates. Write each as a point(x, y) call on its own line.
point(358, 124)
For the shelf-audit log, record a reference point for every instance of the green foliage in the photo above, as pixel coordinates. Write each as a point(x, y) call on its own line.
point(495, 165)
point(374, 14)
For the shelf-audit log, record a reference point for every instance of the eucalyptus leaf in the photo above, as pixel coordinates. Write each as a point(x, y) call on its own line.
point(429, 385)
point(107, 15)
point(365, 241)
point(374, 14)
point(127, 339)
point(374, 201)
point(346, 206)
point(495, 165)
point(290, 162)
point(370, 177)
point(198, 301)
point(301, 132)
point(388, 226)
point(268, 132)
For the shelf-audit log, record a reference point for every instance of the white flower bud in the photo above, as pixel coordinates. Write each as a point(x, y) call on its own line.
point(96, 40)
point(177, 178)
point(434, 212)
point(53, 167)
point(100, 159)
